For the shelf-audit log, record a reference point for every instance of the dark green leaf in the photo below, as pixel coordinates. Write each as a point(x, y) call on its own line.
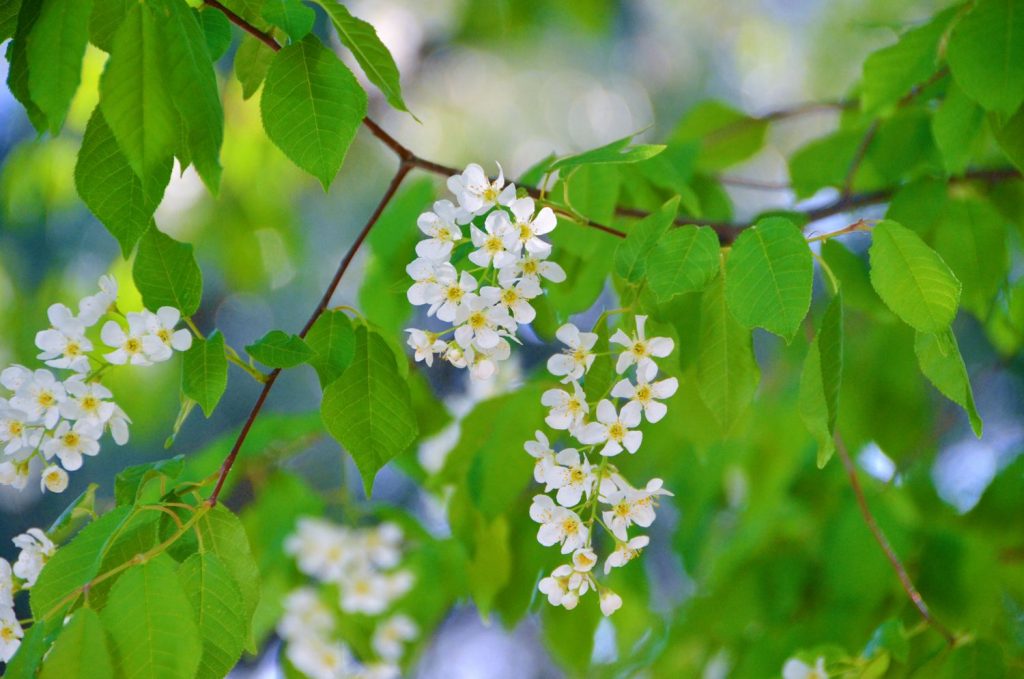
point(333, 343)
point(105, 19)
point(252, 60)
point(56, 46)
point(216, 30)
point(278, 349)
point(981, 659)
point(217, 605)
point(291, 16)
point(131, 480)
point(204, 372)
point(971, 238)
point(821, 378)
point(631, 254)
point(17, 74)
point(892, 71)
point(1010, 137)
point(9, 18)
point(939, 357)
point(166, 273)
point(986, 54)
point(955, 126)
point(684, 260)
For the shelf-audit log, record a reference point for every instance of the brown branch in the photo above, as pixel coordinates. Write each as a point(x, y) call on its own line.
point(262, 36)
point(325, 299)
point(883, 542)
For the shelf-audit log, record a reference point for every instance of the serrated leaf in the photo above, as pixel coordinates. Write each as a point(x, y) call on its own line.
point(9, 18)
point(631, 253)
point(684, 260)
point(188, 70)
point(131, 480)
point(82, 644)
point(133, 98)
point(17, 56)
point(727, 373)
point(821, 378)
point(311, 107)
point(216, 30)
point(204, 372)
point(151, 623)
point(986, 54)
point(770, 272)
point(217, 605)
point(369, 409)
point(912, 279)
point(252, 60)
point(26, 661)
point(333, 343)
point(105, 19)
point(892, 71)
point(618, 151)
point(55, 49)
point(110, 188)
point(955, 126)
point(290, 15)
point(278, 349)
point(938, 356)
point(166, 273)
point(373, 55)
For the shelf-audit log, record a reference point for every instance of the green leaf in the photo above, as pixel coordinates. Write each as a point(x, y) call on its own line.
point(216, 30)
point(26, 661)
point(151, 623)
point(490, 566)
point(593, 191)
point(74, 564)
point(105, 19)
point(55, 49)
point(684, 260)
point(982, 659)
point(891, 72)
point(631, 254)
point(82, 644)
point(986, 54)
point(166, 273)
point(618, 151)
point(252, 60)
point(852, 272)
point(110, 188)
point(223, 535)
point(77, 514)
point(131, 481)
point(333, 343)
point(955, 126)
point(939, 357)
point(204, 372)
point(727, 373)
point(725, 136)
point(188, 71)
point(373, 55)
point(17, 75)
point(278, 349)
point(889, 637)
point(368, 409)
point(311, 107)
point(569, 635)
point(217, 605)
point(133, 98)
point(823, 162)
point(971, 238)
point(9, 18)
point(821, 378)
point(291, 16)
point(912, 279)
point(770, 272)
point(1010, 137)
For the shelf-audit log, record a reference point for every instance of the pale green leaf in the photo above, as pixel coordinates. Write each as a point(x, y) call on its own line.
point(333, 343)
point(938, 356)
point(252, 60)
point(891, 72)
point(631, 254)
point(821, 378)
point(955, 126)
point(986, 54)
point(971, 239)
point(311, 107)
point(684, 260)
point(618, 151)
point(166, 273)
point(81, 644)
point(369, 409)
point(278, 349)
point(151, 623)
point(723, 135)
point(292, 16)
point(490, 567)
point(912, 279)
point(217, 605)
point(56, 46)
point(770, 272)
point(204, 372)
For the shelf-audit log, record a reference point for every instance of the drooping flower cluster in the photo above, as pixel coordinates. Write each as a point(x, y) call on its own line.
point(581, 477)
point(36, 549)
point(363, 566)
point(483, 305)
point(46, 417)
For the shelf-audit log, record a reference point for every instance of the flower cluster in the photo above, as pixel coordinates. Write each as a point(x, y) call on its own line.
point(484, 305)
point(36, 549)
point(362, 566)
point(47, 417)
point(581, 486)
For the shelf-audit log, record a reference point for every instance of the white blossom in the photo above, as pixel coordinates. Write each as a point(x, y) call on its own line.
point(632, 505)
point(494, 243)
point(319, 658)
point(529, 227)
point(565, 527)
point(614, 429)
point(574, 361)
point(40, 397)
point(484, 323)
point(453, 293)
point(514, 296)
point(36, 550)
point(571, 476)
point(364, 591)
point(14, 474)
point(128, 346)
point(476, 193)
point(305, 615)
point(14, 376)
point(610, 601)
point(391, 635)
point(70, 442)
point(383, 545)
point(16, 430)
point(442, 228)
point(625, 552)
point(483, 363)
point(535, 267)
point(647, 394)
point(53, 479)
point(424, 345)
point(798, 669)
point(567, 410)
point(64, 345)
point(6, 585)
point(540, 450)
point(427, 274)
point(161, 339)
point(93, 307)
point(10, 634)
point(640, 349)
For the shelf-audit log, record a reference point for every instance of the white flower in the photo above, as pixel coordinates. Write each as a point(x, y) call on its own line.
point(320, 548)
point(70, 443)
point(390, 636)
point(645, 392)
point(92, 308)
point(572, 476)
point(128, 345)
point(320, 659)
point(514, 296)
point(12, 377)
point(14, 474)
point(564, 527)
point(542, 509)
point(427, 273)
point(16, 430)
point(378, 670)
point(640, 349)
point(528, 227)
point(442, 227)
point(64, 345)
point(540, 450)
point(798, 669)
point(625, 552)
point(615, 430)
point(610, 601)
point(161, 339)
point(424, 345)
point(6, 585)
point(40, 397)
point(557, 588)
point(54, 479)
point(365, 591)
point(305, 615)
point(567, 410)
point(454, 354)
point(535, 267)
point(36, 550)
point(118, 425)
point(483, 363)
point(483, 324)
point(494, 243)
point(85, 401)
point(382, 545)
point(10, 634)
point(575, 360)
point(476, 193)
point(584, 560)
point(452, 294)
point(630, 505)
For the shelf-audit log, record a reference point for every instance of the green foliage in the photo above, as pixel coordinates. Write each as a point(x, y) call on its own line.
point(166, 273)
point(986, 54)
point(891, 72)
point(618, 151)
point(724, 135)
point(956, 126)
point(204, 372)
point(278, 349)
point(56, 46)
point(293, 17)
point(684, 260)
point(332, 343)
point(821, 378)
point(632, 253)
point(940, 361)
point(217, 605)
point(81, 644)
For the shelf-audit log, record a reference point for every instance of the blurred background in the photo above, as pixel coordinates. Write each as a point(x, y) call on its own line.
point(491, 81)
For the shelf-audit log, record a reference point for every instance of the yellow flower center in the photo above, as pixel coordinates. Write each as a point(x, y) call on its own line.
point(454, 293)
point(530, 266)
point(525, 231)
point(640, 348)
point(361, 587)
point(7, 633)
point(570, 526)
point(616, 432)
point(622, 509)
point(90, 403)
point(643, 393)
point(72, 349)
point(573, 405)
point(493, 244)
point(576, 475)
point(490, 194)
point(71, 439)
point(509, 296)
point(46, 399)
point(132, 345)
point(443, 234)
point(164, 334)
point(15, 428)
point(580, 355)
point(477, 320)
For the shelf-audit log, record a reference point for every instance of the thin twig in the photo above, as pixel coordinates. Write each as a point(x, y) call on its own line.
point(883, 542)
